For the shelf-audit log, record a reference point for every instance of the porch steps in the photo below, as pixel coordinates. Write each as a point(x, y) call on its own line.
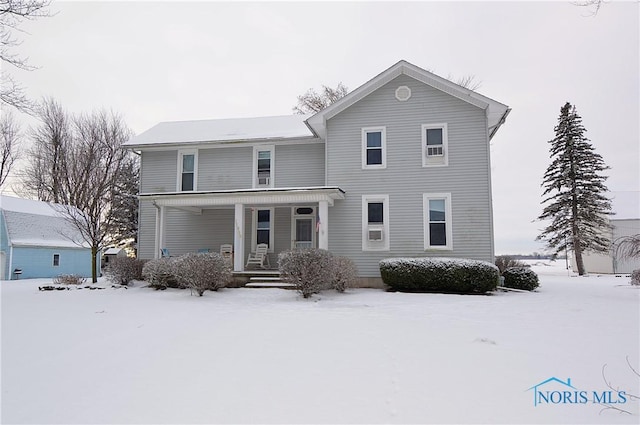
point(268, 282)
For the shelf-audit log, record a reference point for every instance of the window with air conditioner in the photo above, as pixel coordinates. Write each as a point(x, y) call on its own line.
point(434, 145)
point(263, 166)
point(375, 222)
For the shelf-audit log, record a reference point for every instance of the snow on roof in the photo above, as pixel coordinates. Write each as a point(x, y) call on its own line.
point(37, 223)
point(112, 251)
point(223, 130)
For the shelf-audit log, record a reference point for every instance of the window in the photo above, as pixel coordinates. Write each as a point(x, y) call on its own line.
point(263, 166)
point(434, 145)
point(56, 260)
point(375, 222)
point(262, 227)
point(374, 150)
point(437, 223)
point(187, 170)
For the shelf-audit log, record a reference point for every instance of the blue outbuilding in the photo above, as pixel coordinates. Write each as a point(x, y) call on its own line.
point(37, 242)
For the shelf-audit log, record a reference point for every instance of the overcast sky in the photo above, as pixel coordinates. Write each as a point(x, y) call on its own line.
point(162, 61)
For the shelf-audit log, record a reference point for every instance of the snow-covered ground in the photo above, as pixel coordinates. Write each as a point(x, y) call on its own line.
point(268, 356)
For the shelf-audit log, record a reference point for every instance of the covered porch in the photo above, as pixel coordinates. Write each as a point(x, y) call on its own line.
point(282, 218)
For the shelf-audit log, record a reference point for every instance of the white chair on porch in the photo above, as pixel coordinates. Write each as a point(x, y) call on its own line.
point(226, 250)
point(259, 258)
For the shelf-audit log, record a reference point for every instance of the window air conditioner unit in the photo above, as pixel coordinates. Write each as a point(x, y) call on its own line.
point(375, 234)
point(263, 181)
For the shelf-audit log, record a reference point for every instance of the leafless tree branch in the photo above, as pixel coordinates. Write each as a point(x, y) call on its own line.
point(9, 139)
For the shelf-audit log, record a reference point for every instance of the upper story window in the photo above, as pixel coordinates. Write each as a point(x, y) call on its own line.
point(434, 145)
point(263, 166)
point(187, 170)
point(438, 232)
point(374, 148)
point(375, 222)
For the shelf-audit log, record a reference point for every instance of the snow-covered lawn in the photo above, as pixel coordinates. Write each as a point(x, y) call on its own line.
point(268, 356)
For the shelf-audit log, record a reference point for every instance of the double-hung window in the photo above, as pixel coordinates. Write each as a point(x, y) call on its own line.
point(438, 232)
point(375, 222)
point(263, 166)
point(374, 148)
point(263, 227)
point(56, 260)
point(187, 170)
point(434, 145)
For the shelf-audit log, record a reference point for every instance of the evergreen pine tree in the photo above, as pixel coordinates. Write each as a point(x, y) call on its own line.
point(574, 192)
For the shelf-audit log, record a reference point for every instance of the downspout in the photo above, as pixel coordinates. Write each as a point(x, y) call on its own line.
point(491, 226)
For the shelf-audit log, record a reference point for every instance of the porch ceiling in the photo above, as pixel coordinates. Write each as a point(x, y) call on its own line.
point(246, 197)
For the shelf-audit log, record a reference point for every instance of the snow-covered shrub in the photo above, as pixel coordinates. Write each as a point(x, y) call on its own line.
point(160, 273)
point(308, 269)
point(449, 275)
point(344, 273)
point(520, 278)
point(635, 277)
point(503, 262)
point(69, 279)
point(202, 271)
point(122, 270)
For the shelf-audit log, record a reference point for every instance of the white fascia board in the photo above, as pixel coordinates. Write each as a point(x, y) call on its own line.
point(247, 197)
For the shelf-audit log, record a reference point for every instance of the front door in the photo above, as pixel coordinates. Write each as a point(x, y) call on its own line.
point(303, 230)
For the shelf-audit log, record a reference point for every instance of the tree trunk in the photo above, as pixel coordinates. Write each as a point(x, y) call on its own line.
point(94, 264)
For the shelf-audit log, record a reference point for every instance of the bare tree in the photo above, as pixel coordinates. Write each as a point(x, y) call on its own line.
point(12, 14)
point(627, 247)
point(469, 82)
point(593, 5)
point(312, 101)
point(45, 175)
point(9, 138)
point(78, 162)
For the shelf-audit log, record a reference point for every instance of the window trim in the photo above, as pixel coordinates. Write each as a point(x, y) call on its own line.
point(181, 154)
point(272, 151)
point(426, 197)
point(383, 143)
point(54, 260)
point(384, 244)
point(254, 230)
point(445, 145)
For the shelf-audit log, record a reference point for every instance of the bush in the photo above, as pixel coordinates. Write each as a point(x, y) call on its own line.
point(344, 273)
point(448, 275)
point(202, 271)
point(503, 262)
point(635, 277)
point(69, 279)
point(122, 270)
point(160, 273)
point(520, 278)
point(310, 270)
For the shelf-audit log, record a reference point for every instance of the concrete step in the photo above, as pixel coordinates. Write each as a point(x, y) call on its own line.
point(269, 284)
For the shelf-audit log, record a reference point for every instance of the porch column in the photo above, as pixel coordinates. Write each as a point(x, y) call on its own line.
point(238, 239)
point(323, 228)
point(160, 226)
point(163, 226)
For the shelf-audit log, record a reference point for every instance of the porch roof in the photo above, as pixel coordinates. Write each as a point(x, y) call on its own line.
point(271, 196)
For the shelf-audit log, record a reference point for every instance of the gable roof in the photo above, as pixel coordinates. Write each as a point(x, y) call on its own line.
point(223, 130)
point(37, 223)
point(496, 111)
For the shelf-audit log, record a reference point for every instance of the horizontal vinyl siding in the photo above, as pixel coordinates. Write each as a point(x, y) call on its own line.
point(38, 262)
point(188, 232)
point(225, 168)
point(4, 247)
point(404, 179)
point(299, 165)
point(146, 230)
point(158, 172)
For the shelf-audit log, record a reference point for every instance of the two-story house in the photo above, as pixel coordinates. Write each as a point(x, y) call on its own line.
point(398, 167)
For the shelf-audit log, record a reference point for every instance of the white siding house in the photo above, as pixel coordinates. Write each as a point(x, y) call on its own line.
point(398, 167)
